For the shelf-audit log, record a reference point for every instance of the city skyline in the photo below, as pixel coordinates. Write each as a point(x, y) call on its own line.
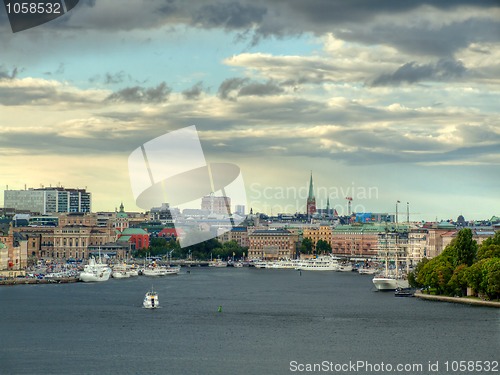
point(397, 101)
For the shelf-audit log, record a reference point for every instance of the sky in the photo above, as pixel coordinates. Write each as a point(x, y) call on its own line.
point(381, 101)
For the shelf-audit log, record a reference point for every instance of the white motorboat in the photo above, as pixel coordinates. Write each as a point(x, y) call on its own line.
point(217, 263)
point(367, 271)
point(345, 268)
point(95, 271)
point(120, 272)
point(322, 263)
point(151, 300)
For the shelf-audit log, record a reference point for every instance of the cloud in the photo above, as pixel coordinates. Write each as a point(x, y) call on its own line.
point(42, 92)
point(232, 88)
point(194, 92)
point(413, 72)
point(5, 75)
point(140, 94)
point(114, 78)
point(228, 15)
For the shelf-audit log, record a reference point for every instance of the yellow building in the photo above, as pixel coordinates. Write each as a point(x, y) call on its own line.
point(324, 232)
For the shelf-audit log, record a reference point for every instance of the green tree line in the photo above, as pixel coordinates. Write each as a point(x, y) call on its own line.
point(201, 251)
point(462, 264)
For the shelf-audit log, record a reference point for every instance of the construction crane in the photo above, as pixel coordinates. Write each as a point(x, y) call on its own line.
point(349, 200)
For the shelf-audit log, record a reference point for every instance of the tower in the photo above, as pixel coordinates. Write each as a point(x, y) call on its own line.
point(311, 200)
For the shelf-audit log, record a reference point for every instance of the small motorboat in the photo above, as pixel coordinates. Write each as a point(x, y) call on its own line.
point(151, 300)
point(404, 292)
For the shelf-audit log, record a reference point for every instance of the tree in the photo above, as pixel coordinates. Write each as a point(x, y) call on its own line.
point(306, 246)
point(465, 247)
point(458, 282)
point(436, 274)
point(323, 247)
point(490, 248)
point(412, 276)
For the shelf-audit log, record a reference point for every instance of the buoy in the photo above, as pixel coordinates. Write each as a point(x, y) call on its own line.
point(219, 309)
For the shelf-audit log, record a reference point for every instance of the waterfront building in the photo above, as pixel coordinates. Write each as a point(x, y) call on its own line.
point(238, 234)
point(137, 237)
point(216, 205)
point(323, 232)
point(272, 244)
point(311, 200)
point(4, 256)
point(49, 200)
point(417, 244)
point(118, 250)
point(72, 241)
point(356, 240)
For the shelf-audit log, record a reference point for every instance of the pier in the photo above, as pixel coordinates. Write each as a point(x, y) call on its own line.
point(464, 300)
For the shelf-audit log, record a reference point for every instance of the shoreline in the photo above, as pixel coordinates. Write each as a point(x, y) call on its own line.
point(32, 281)
point(467, 301)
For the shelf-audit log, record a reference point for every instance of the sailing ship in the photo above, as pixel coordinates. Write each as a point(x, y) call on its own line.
point(391, 246)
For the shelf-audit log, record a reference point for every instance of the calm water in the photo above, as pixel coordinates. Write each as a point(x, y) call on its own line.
point(269, 318)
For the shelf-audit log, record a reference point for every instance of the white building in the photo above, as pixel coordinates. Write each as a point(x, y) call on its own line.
point(49, 200)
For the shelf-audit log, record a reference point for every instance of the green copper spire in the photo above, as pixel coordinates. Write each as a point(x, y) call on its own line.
point(311, 189)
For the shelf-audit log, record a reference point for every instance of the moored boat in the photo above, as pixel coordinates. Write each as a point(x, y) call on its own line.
point(387, 282)
point(322, 263)
point(404, 292)
point(95, 271)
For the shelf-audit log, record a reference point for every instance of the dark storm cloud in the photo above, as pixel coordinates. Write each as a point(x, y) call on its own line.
point(229, 15)
point(412, 72)
point(194, 92)
point(140, 94)
point(236, 87)
point(424, 39)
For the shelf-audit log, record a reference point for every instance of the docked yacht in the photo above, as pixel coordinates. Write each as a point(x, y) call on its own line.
point(120, 271)
point(322, 263)
point(156, 270)
point(367, 271)
point(95, 271)
point(219, 263)
point(283, 264)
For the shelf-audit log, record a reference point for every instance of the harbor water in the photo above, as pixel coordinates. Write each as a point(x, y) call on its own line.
point(237, 321)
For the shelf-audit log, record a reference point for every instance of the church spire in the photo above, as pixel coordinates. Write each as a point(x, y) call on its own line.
point(311, 200)
point(311, 188)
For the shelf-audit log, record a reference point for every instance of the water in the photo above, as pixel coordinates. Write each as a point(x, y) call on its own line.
point(269, 318)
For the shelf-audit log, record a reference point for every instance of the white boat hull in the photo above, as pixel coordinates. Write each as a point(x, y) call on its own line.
point(160, 271)
point(388, 283)
point(88, 277)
